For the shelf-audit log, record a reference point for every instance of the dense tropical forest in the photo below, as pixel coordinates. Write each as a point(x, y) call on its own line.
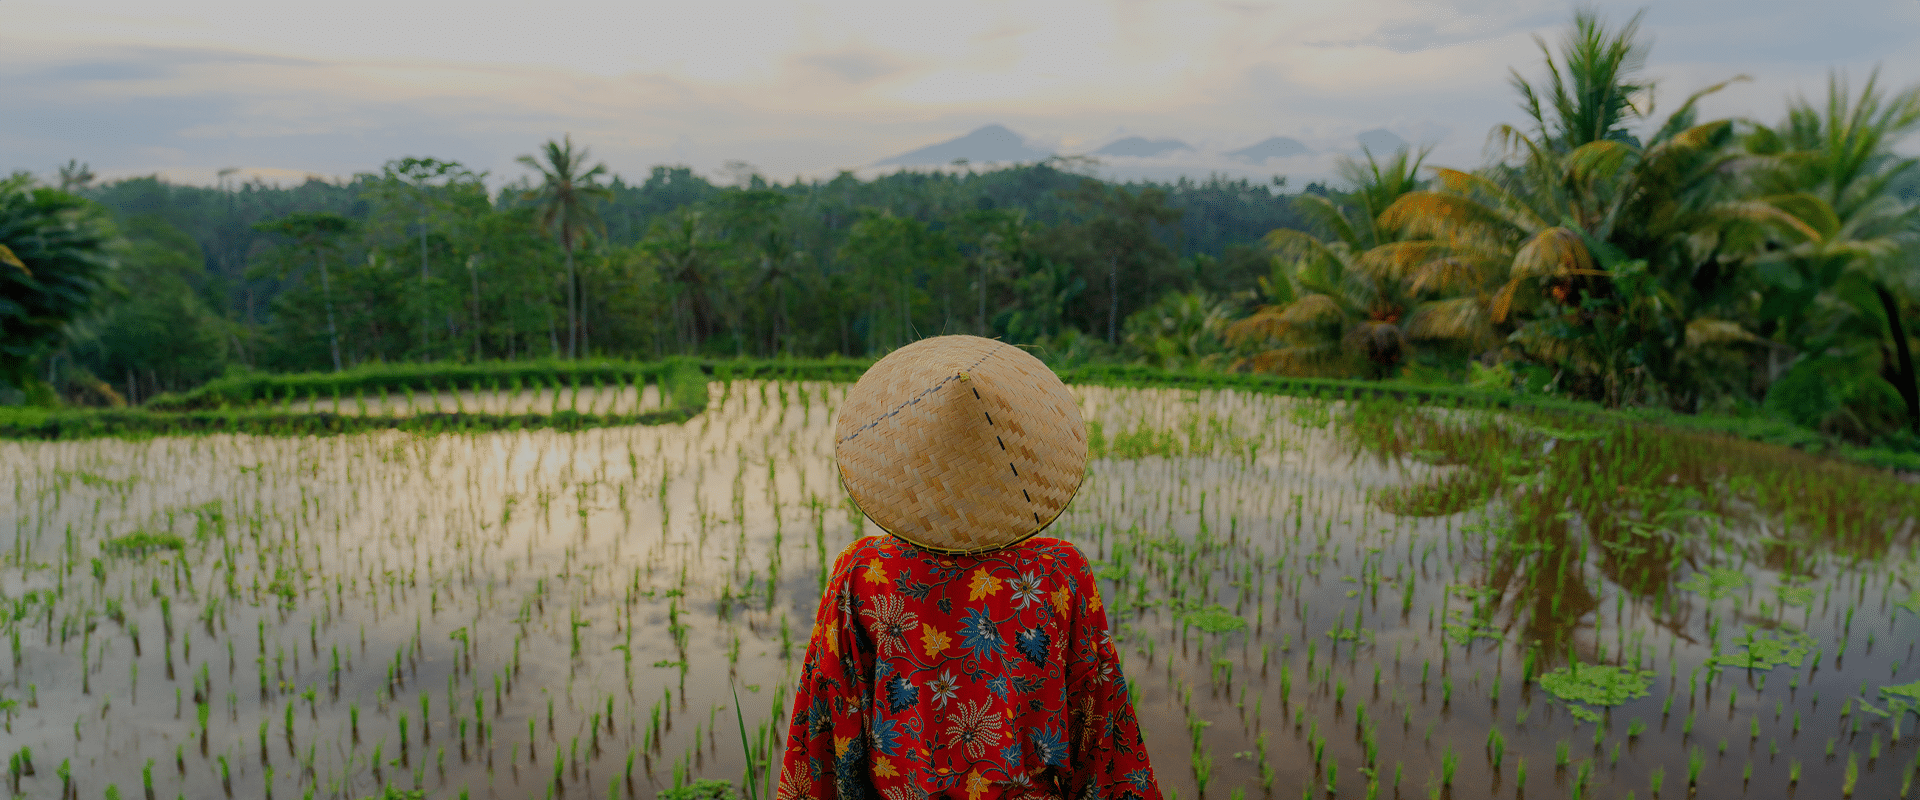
point(1729, 266)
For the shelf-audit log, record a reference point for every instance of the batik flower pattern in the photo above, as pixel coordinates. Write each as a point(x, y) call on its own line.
point(1023, 696)
point(1033, 644)
point(974, 726)
point(890, 621)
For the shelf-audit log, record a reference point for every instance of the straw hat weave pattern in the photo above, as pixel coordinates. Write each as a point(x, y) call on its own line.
point(961, 444)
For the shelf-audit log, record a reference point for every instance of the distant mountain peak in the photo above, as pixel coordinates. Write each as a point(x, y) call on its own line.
point(1273, 147)
point(993, 143)
point(1141, 147)
point(1380, 141)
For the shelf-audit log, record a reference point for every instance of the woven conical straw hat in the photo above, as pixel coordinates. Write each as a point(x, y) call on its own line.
point(960, 444)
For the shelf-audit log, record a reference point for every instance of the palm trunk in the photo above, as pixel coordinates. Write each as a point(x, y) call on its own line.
point(553, 337)
point(426, 308)
point(326, 298)
point(983, 296)
point(1113, 297)
point(1909, 388)
point(473, 271)
point(573, 337)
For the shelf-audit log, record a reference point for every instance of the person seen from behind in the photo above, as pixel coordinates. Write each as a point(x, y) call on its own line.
point(962, 656)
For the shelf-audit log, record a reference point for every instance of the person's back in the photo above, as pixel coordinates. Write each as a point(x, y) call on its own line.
point(963, 676)
point(961, 655)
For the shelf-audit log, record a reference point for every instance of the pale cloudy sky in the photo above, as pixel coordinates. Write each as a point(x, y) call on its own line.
point(187, 87)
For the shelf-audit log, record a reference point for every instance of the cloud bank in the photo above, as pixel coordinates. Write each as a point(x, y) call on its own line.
point(808, 89)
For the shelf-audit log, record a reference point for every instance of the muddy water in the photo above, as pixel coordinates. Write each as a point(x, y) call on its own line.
point(550, 576)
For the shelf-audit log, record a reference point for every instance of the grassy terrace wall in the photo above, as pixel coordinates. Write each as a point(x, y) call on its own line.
point(258, 403)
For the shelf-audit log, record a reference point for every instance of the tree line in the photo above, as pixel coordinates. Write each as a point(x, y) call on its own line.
point(421, 262)
point(1724, 265)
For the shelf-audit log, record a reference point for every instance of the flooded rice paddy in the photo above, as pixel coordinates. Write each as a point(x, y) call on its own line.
point(1312, 599)
point(631, 399)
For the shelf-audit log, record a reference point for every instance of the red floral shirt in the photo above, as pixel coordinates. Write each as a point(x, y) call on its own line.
point(989, 676)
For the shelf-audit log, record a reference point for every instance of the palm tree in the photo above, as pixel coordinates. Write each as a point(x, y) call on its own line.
point(1182, 330)
point(1342, 306)
point(409, 181)
point(316, 231)
point(1123, 228)
point(1599, 101)
point(54, 259)
point(686, 254)
point(1850, 252)
point(1608, 251)
point(754, 215)
point(567, 185)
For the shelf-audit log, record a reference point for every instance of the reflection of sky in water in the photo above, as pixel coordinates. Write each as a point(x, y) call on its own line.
point(390, 536)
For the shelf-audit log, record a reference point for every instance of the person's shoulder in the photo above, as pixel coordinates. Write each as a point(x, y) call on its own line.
point(1060, 551)
point(860, 548)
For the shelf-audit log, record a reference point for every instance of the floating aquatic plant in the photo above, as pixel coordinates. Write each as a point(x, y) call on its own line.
point(1715, 583)
point(1215, 619)
point(1766, 650)
point(1596, 684)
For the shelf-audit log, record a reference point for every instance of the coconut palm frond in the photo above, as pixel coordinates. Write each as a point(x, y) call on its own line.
point(1512, 141)
point(1503, 300)
point(1872, 249)
point(1813, 211)
point(1323, 211)
point(1447, 274)
point(1505, 204)
point(1883, 214)
point(1303, 361)
point(1537, 340)
point(1440, 214)
point(1462, 319)
point(1598, 159)
point(1691, 142)
point(7, 257)
point(1682, 117)
point(1293, 245)
point(1711, 332)
point(1767, 217)
point(1553, 252)
point(1276, 322)
point(1393, 261)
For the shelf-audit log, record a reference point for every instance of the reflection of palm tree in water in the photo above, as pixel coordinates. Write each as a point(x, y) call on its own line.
point(1542, 569)
point(1653, 506)
point(1536, 559)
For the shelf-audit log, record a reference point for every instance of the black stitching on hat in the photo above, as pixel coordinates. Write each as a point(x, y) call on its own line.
point(1003, 443)
point(1016, 470)
point(929, 390)
point(1023, 493)
point(989, 417)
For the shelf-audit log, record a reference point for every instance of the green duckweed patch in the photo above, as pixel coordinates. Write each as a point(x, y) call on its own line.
point(1461, 629)
point(1597, 684)
point(1796, 595)
point(1714, 583)
point(1912, 603)
point(1215, 619)
point(1899, 699)
point(1763, 651)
